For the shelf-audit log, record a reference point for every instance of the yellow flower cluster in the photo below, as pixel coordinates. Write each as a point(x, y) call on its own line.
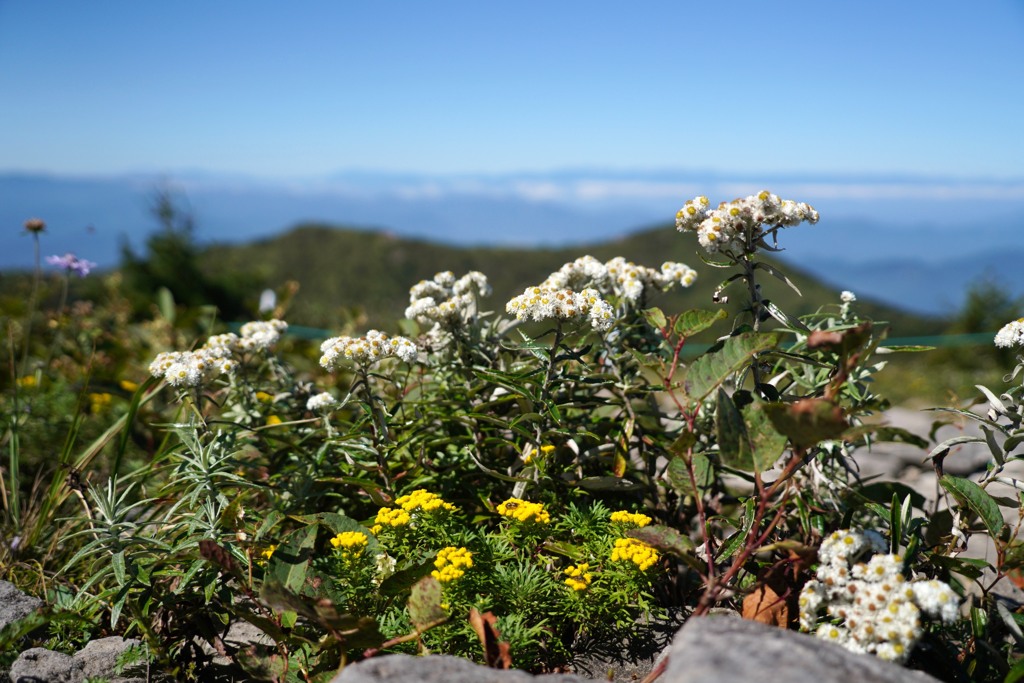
point(524, 511)
point(98, 402)
point(637, 552)
point(393, 517)
point(579, 577)
point(634, 518)
point(422, 499)
point(451, 563)
point(351, 543)
point(529, 453)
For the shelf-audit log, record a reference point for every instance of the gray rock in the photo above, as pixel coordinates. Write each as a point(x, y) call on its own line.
point(631, 658)
point(891, 460)
point(40, 665)
point(99, 659)
point(717, 650)
point(14, 604)
point(438, 669)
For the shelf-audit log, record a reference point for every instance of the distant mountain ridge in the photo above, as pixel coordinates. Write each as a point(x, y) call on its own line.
point(931, 236)
point(345, 274)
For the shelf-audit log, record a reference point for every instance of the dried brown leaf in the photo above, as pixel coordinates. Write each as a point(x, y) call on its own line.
point(765, 606)
point(496, 652)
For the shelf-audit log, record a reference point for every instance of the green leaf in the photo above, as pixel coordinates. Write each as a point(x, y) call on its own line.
point(117, 562)
point(572, 551)
point(118, 606)
point(678, 474)
point(895, 525)
point(738, 539)
point(746, 439)
point(655, 318)
point(404, 579)
point(970, 495)
point(905, 348)
point(884, 433)
point(709, 371)
point(1015, 674)
point(354, 631)
point(338, 524)
point(697, 320)
point(425, 608)
point(780, 315)
point(664, 538)
point(766, 444)
point(272, 519)
point(883, 492)
point(808, 421)
point(979, 622)
point(1014, 558)
point(609, 484)
point(165, 303)
point(779, 274)
point(17, 629)
point(291, 558)
point(993, 447)
point(733, 446)
point(129, 417)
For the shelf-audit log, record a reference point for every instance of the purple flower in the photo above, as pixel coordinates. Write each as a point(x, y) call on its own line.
point(71, 263)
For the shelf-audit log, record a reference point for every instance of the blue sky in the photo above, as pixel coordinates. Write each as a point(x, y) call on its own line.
point(304, 89)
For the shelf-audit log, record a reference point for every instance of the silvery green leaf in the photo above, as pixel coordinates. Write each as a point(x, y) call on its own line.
point(990, 439)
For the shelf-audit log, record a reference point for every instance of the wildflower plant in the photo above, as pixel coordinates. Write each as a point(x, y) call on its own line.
point(570, 464)
point(870, 605)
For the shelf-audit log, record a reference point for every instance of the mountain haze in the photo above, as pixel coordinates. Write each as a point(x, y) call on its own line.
point(914, 242)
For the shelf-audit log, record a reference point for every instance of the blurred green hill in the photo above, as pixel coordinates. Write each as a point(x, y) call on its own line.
point(344, 273)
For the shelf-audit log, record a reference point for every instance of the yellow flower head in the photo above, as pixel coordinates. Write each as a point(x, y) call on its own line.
point(422, 499)
point(264, 397)
point(579, 577)
point(351, 543)
point(128, 385)
point(451, 563)
point(524, 511)
point(273, 420)
point(632, 518)
point(637, 552)
point(392, 517)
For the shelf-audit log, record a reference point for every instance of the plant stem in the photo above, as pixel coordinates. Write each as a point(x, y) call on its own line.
point(32, 303)
point(552, 357)
point(380, 428)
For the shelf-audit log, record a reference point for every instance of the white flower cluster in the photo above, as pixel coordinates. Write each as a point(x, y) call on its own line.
point(871, 606)
point(733, 225)
point(619, 277)
point(445, 300)
point(261, 335)
point(543, 303)
point(1011, 334)
point(365, 350)
point(194, 368)
point(217, 356)
point(321, 402)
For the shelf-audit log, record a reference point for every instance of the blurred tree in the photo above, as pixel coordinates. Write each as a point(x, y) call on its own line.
point(987, 308)
point(172, 261)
